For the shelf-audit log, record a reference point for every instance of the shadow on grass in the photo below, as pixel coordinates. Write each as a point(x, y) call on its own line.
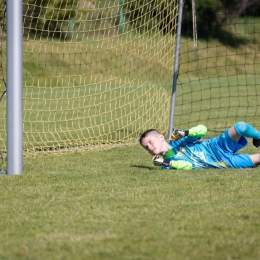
point(225, 37)
point(142, 167)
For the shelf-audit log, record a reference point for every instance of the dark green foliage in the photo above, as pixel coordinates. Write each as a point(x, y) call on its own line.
point(2, 11)
point(48, 18)
point(206, 11)
point(146, 14)
point(212, 14)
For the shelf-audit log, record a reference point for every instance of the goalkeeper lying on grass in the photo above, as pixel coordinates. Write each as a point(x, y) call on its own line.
point(187, 152)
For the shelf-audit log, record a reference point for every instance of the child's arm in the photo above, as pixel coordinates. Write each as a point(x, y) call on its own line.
point(167, 163)
point(180, 165)
point(197, 131)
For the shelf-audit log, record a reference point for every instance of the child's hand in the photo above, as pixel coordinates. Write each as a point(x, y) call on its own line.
point(177, 134)
point(160, 161)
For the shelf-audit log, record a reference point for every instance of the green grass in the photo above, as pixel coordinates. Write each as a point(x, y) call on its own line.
point(116, 205)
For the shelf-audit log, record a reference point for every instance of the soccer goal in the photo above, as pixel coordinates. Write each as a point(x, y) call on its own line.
point(96, 74)
point(218, 72)
point(2, 88)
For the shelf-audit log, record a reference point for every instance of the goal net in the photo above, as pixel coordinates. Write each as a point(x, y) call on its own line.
point(95, 73)
point(219, 73)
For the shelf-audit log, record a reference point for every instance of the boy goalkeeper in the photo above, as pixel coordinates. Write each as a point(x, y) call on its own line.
point(187, 152)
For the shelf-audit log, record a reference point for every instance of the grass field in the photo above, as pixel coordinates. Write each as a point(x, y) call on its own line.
point(116, 205)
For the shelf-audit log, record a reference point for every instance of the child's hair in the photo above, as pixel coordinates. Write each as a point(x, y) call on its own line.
point(144, 134)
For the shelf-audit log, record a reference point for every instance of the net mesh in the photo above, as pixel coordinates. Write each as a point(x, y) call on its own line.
point(94, 75)
point(219, 76)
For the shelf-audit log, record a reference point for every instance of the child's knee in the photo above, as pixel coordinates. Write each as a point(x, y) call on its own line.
point(241, 127)
point(255, 159)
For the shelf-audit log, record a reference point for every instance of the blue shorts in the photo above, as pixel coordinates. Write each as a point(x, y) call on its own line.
point(226, 148)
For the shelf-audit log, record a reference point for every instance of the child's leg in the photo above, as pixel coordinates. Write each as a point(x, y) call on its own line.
point(233, 134)
point(244, 129)
point(255, 158)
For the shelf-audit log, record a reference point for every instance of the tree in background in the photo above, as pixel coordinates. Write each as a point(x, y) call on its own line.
point(212, 16)
point(147, 14)
point(48, 18)
point(52, 18)
point(2, 12)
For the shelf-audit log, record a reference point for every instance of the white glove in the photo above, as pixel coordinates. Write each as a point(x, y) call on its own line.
point(160, 161)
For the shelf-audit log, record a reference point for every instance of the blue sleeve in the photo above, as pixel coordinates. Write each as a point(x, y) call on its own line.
point(183, 141)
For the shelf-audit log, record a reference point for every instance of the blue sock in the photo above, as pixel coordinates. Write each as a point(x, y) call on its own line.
point(246, 130)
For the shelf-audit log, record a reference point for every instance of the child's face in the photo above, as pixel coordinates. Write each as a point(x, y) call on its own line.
point(153, 143)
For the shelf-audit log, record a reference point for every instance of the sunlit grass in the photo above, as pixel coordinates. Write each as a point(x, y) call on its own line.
point(116, 204)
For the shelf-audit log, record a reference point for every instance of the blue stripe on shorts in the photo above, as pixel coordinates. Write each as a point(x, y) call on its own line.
point(226, 148)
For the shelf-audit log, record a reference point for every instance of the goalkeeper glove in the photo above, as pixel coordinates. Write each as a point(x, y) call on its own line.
point(178, 165)
point(177, 134)
point(160, 161)
point(197, 131)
